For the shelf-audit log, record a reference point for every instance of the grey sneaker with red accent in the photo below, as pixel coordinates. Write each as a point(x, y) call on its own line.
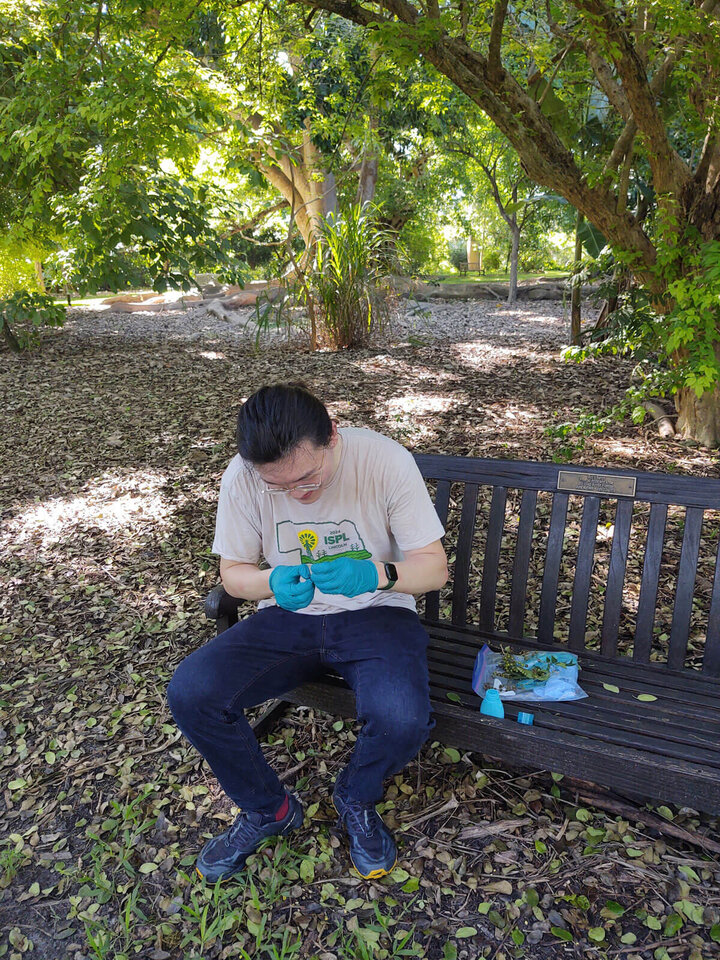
point(225, 855)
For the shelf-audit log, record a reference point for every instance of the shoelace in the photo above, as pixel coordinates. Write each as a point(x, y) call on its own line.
point(243, 829)
point(362, 819)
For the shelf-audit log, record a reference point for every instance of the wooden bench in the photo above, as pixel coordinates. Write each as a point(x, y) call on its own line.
point(618, 566)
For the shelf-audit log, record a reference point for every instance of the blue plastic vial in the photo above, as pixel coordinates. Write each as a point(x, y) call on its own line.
point(492, 705)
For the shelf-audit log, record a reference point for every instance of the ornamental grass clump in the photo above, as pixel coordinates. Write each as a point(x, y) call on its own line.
point(347, 283)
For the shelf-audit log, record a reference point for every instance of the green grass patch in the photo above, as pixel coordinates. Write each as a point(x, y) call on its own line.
point(501, 277)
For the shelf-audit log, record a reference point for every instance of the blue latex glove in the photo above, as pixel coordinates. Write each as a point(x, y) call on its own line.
point(292, 586)
point(346, 576)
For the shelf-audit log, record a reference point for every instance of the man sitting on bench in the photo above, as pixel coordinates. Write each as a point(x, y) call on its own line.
point(346, 524)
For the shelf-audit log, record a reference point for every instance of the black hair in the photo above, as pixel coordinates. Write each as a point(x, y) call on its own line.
point(276, 418)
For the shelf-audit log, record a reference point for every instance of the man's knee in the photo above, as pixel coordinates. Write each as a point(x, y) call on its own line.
point(192, 686)
point(407, 730)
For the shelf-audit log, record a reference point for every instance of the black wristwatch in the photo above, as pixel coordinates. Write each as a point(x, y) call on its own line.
point(392, 575)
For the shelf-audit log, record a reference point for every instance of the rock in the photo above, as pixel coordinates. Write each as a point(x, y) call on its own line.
point(244, 298)
point(172, 300)
point(401, 286)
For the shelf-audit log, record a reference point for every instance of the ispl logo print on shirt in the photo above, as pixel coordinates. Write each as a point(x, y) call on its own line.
point(315, 542)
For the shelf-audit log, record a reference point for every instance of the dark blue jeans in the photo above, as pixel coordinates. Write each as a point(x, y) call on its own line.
point(381, 654)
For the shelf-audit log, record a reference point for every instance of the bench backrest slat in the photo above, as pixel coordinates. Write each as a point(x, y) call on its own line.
point(553, 557)
point(518, 592)
point(583, 572)
point(616, 578)
point(488, 591)
point(464, 553)
point(685, 586)
point(711, 660)
point(442, 505)
point(645, 620)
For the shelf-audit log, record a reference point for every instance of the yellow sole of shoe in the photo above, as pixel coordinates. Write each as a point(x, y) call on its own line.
point(374, 874)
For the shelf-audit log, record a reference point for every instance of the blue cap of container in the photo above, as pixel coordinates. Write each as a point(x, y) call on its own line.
point(526, 718)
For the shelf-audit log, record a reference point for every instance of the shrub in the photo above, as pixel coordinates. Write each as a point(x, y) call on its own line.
point(23, 314)
point(491, 261)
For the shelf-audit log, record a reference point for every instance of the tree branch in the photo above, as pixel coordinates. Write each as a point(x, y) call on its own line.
point(558, 64)
point(624, 182)
point(257, 219)
point(670, 172)
point(490, 174)
point(603, 71)
point(496, 29)
point(622, 145)
point(710, 148)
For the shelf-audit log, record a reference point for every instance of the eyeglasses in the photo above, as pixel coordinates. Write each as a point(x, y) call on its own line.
point(304, 487)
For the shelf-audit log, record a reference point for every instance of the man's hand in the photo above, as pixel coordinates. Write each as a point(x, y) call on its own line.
point(292, 586)
point(345, 575)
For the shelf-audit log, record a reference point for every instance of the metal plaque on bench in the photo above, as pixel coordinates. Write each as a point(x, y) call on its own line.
point(607, 485)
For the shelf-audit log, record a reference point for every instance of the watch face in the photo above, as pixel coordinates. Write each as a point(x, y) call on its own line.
point(391, 572)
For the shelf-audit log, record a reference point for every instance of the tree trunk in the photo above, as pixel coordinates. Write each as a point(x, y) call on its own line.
point(699, 417)
point(367, 180)
point(330, 197)
point(301, 179)
point(10, 338)
point(40, 278)
point(514, 255)
point(576, 289)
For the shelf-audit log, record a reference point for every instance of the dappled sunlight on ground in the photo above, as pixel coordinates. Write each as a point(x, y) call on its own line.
point(399, 365)
point(421, 404)
point(121, 504)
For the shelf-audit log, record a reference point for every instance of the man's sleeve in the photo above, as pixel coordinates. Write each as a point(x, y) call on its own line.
point(238, 528)
point(413, 520)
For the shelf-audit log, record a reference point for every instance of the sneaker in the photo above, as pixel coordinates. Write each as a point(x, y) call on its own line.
point(372, 849)
point(226, 854)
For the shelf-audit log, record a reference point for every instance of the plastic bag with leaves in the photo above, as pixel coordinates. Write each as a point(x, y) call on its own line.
point(532, 677)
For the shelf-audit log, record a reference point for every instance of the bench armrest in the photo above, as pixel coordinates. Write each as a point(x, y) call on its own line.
point(219, 604)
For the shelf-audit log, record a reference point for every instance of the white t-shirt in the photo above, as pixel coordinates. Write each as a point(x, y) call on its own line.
point(375, 507)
